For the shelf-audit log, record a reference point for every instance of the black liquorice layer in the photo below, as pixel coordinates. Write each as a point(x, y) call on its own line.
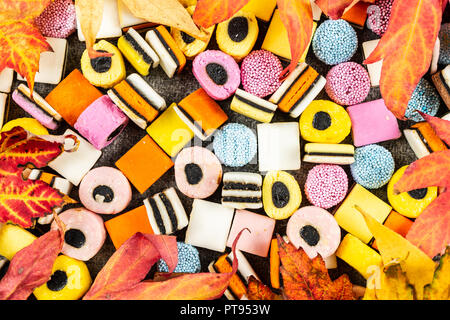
point(292, 84)
point(140, 93)
point(157, 215)
point(305, 93)
point(122, 99)
point(329, 154)
point(424, 141)
point(241, 186)
point(254, 105)
point(23, 95)
point(170, 211)
point(192, 120)
point(241, 199)
point(135, 45)
point(168, 48)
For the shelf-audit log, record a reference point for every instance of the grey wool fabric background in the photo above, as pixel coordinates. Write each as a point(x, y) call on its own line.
point(175, 89)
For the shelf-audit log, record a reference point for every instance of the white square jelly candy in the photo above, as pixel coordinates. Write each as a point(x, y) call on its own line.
point(278, 146)
point(209, 225)
point(6, 80)
point(74, 165)
point(3, 108)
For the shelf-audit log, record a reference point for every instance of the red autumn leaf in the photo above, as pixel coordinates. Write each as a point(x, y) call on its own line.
point(21, 42)
point(259, 291)
point(130, 264)
point(431, 230)
point(335, 8)
point(31, 267)
point(440, 126)
point(119, 278)
point(432, 170)
point(210, 12)
point(308, 279)
point(406, 48)
point(298, 20)
point(22, 200)
point(18, 149)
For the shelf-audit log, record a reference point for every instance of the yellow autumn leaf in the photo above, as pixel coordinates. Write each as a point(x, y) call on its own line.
point(419, 268)
point(439, 289)
point(90, 14)
point(391, 284)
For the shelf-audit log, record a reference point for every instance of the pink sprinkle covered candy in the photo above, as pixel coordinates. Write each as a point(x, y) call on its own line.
point(378, 16)
point(260, 73)
point(348, 83)
point(58, 20)
point(326, 185)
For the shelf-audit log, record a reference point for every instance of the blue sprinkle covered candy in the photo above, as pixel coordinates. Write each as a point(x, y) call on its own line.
point(235, 145)
point(188, 260)
point(373, 166)
point(334, 42)
point(424, 98)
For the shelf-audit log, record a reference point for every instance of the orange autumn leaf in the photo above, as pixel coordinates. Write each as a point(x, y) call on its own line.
point(130, 264)
point(406, 49)
point(21, 42)
point(259, 291)
point(298, 20)
point(440, 126)
point(210, 12)
point(336, 8)
point(22, 200)
point(429, 171)
point(308, 279)
point(31, 267)
point(431, 230)
point(121, 277)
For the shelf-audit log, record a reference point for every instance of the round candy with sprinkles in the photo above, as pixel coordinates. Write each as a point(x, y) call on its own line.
point(326, 185)
point(188, 260)
point(58, 20)
point(334, 42)
point(424, 98)
point(260, 73)
point(235, 145)
point(378, 16)
point(373, 166)
point(348, 83)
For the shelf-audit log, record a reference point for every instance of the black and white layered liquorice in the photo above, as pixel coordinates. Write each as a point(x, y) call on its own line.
point(165, 212)
point(38, 101)
point(242, 190)
point(310, 83)
point(252, 106)
point(167, 58)
point(144, 89)
point(4, 263)
point(244, 272)
point(127, 94)
point(62, 185)
point(417, 142)
point(329, 153)
point(143, 49)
